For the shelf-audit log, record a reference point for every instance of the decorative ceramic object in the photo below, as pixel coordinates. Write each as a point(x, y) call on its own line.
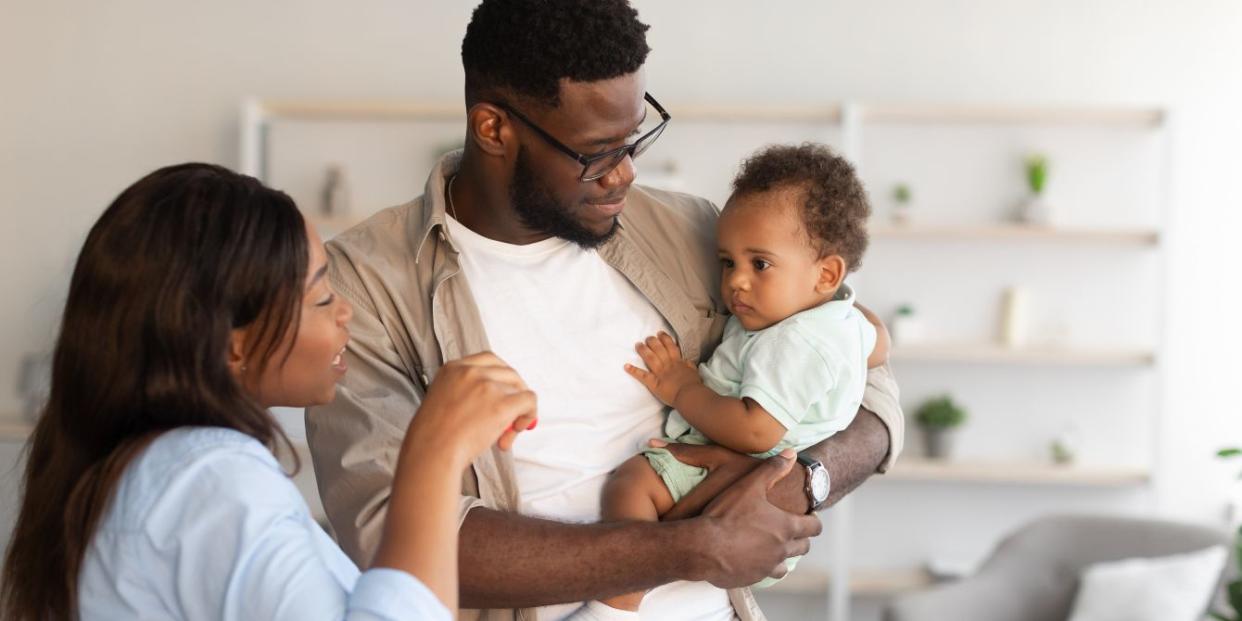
point(334, 198)
point(1014, 321)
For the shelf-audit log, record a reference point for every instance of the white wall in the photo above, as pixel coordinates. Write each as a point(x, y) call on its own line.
point(96, 94)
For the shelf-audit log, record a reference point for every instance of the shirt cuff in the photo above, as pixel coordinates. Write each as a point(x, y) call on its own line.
point(384, 594)
point(883, 398)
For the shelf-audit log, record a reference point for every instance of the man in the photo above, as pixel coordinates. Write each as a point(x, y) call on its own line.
point(533, 243)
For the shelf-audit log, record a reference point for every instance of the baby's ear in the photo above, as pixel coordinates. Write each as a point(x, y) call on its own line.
point(832, 270)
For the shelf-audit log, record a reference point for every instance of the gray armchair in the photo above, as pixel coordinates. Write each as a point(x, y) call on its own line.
point(1033, 574)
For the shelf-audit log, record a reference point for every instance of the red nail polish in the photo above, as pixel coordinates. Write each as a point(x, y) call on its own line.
point(532, 424)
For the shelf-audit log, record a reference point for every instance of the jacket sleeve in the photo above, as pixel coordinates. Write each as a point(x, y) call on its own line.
point(883, 398)
point(355, 440)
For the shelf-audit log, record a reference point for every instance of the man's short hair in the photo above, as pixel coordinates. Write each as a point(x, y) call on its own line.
point(834, 203)
point(525, 47)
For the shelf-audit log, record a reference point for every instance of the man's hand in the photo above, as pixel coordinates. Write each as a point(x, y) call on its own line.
point(667, 373)
point(745, 537)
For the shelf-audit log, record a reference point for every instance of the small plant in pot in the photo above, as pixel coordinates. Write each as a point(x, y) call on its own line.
point(939, 418)
point(901, 204)
point(1035, 210)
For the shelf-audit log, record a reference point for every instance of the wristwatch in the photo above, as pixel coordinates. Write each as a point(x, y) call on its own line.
point(817, 482)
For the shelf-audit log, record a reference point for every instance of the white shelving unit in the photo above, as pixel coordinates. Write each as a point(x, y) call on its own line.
point(711, 139)
point(1015, 472)
point(985, 353)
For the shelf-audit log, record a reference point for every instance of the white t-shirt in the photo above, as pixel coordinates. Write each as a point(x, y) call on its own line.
point(568, 322)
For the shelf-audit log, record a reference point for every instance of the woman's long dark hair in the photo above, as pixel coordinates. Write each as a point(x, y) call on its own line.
point(176, 263)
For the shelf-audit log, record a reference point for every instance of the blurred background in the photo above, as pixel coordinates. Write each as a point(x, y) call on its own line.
point(1054, 240)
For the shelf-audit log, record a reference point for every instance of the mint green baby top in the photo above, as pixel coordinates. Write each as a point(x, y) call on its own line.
point(808, 371)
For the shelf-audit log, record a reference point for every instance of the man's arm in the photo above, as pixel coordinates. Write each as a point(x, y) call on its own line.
point(512, 561)
point(871, 443)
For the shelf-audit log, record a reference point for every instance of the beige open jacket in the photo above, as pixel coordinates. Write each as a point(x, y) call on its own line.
point(413, 311)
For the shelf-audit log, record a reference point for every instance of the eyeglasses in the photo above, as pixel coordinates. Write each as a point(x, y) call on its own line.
point(600, 164)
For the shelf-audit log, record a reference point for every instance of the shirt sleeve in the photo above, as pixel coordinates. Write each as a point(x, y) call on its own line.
point(355, 440)
point(883, 398)
point(786, 375)
point(241, 545)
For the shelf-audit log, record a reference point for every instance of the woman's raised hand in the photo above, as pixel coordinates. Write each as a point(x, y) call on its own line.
point(473, 403)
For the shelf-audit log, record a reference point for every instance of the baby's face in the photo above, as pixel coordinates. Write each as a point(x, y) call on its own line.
point(769, 270)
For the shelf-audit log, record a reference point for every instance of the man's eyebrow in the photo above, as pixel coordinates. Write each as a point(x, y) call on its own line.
point(603, 142)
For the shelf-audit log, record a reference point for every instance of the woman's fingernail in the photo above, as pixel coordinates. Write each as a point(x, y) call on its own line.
point(657, 443)
point(532, 424)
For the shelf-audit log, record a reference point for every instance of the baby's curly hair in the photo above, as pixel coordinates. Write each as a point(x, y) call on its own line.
point(524, 47)
point(835, 207)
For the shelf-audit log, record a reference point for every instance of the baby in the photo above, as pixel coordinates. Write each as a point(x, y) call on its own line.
point(792, 367)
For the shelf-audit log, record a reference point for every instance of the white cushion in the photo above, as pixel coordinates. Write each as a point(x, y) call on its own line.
point(1168, 588)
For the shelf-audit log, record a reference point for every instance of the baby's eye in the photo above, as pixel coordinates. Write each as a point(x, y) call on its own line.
point(327, 301)
point(726, 263)
point(760, 265)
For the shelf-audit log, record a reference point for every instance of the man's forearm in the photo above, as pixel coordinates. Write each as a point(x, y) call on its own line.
point(850, 456)
point(854, 454)
point(509, 560)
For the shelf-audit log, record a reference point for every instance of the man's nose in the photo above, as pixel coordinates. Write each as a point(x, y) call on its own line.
point(621, 176)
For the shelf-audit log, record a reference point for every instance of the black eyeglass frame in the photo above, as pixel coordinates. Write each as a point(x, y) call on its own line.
point(586, 160)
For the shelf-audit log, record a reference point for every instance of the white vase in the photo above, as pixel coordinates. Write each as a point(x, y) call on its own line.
point(1035, 211)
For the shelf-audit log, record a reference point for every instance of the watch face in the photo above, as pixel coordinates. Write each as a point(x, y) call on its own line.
point(819, 484)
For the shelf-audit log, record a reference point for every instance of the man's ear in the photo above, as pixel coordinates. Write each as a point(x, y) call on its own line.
point(490, 128)
point(832, 270)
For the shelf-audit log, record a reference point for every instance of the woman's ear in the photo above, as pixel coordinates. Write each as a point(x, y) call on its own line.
point(237, 353)
point(832, 270)
point(489, 128)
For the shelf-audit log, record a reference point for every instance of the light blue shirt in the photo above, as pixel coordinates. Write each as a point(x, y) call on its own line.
point(809, 371)
point(205, 525)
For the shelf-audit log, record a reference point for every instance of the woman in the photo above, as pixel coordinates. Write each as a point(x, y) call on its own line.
point(200, 300)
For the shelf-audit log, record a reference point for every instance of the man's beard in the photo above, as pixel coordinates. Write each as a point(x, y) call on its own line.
point(539, 211)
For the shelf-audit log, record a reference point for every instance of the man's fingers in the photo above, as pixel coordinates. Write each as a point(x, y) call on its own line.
point(806, 526)
point(702, 456)
point(780, 571)
point(772, 469)
point(797, 547)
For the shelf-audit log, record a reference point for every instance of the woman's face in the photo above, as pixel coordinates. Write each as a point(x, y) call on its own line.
point(315, 348)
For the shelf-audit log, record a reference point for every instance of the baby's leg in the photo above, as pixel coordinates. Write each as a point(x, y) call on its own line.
point(634, 492)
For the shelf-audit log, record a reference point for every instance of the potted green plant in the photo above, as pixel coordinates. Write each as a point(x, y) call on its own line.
point(1233, 590)
point(901, 203)
point(939, 418)
point(905, 327)
point(1035, 210)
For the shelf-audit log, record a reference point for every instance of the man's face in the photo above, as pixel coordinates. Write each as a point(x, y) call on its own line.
point(593, 117)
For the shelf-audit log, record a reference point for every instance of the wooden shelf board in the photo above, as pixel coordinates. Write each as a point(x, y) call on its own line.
point(996, 354)
point(863, 583)
point(1015, 232)
point(1015, 472)
point(1013, 115)
point(378, 109)
point(826, 113)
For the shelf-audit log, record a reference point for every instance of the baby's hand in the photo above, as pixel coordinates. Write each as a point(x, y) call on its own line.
point(666, 372)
